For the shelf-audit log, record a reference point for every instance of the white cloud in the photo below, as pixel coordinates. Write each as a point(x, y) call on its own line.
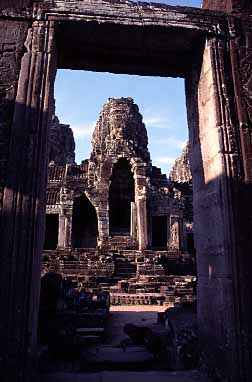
point(83, 131)
point(172, 141)
point(164, 160)
point(157, 120)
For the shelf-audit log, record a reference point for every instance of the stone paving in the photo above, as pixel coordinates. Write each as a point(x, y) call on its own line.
point(118, 317)
point(120, 376)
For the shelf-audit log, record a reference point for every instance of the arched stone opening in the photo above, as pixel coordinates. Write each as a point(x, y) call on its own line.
point(121, 195)
point(84, 225)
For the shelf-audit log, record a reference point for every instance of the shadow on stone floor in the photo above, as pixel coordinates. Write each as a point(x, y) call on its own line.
point(187, 376)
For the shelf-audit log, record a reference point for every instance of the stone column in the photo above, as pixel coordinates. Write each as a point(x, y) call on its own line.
point(62, 228)
point(141, 203)
point(68, 236)
point(133, 221)
point(142, 223)
point(22, 231)
point(103, 223)
point(102, 202)
point(65, 219)
point(65, 228)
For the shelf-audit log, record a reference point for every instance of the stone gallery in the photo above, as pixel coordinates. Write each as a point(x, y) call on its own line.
point(116, 216)
point(211, 49)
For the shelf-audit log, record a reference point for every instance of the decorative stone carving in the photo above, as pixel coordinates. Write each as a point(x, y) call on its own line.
point(66, 197)
point(174, 242)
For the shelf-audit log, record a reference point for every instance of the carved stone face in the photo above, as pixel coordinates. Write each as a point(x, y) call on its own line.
point(66, 195)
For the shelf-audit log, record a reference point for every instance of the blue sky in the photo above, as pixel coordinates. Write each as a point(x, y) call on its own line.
point(80, 96)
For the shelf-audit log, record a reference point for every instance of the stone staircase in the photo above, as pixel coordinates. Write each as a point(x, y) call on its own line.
point(122, 243)
point(132, 277)
point(78, 265)
point(124, 268)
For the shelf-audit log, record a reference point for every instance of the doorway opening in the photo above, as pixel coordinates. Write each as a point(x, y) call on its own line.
point(84, 225)
point(51, 231)
point(121, 195)
point(159, 232)
point(190, 243)
point(120, 255)
point(132, 224)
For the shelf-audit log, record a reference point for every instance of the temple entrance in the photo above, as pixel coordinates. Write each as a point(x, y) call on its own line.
point(159, 231)
point(51, 231)
point(121, 194)
point(85, 226)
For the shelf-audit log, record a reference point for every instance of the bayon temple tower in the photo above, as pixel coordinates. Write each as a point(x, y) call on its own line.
point(116, 210)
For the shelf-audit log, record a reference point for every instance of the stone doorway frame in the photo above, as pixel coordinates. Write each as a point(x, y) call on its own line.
point(218, 160)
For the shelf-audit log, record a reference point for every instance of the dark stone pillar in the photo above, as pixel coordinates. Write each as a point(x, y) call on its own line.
point(23, 209)
point(221, 166)
point(235, 72)
point(12, 37)
point(214, 157)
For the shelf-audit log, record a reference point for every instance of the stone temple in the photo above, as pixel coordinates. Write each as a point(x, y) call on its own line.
point(116, 217)
point(211, 49)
